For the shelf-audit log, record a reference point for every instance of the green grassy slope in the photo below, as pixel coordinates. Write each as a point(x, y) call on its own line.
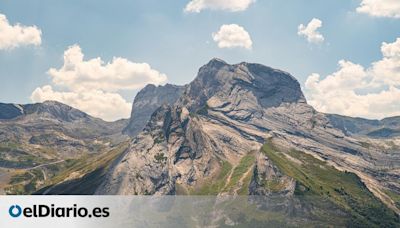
point(318, 180)
point(229, 179)
point(84, 175)
point(85, 172)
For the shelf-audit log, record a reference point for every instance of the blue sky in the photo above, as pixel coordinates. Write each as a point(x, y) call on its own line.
point(177, 43)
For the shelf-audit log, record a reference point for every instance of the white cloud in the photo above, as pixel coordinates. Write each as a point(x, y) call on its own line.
point(387, 70)
point(195, 6)
point(92, 85)
point(233, 35)
point(380, 8)
point(78, 74)
point(13, 36)
point(355, 91)
point(107, 106)
point(310, 31)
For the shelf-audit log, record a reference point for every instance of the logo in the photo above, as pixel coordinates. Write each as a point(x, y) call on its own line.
point(41, 210)
point(15, 211)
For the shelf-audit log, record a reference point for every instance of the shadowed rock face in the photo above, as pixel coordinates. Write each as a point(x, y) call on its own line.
point(265, 170)
point(10, 111)
point(147, 101)
point(224, 116)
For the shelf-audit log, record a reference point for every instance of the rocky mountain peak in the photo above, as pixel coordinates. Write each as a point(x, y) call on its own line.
point(216, 63)
point(147, 101)
point(54, 109)
point(47, 109)
point(270, 87)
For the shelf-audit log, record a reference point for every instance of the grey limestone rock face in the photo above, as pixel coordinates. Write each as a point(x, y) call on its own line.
point(270, 87)
point(147, 101)
point(265, 175)
point(172, 147)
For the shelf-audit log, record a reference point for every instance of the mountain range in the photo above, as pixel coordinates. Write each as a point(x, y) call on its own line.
point(241, 129)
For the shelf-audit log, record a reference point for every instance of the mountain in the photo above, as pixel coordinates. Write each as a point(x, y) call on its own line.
point(241, 129)
point(147, 101)
point(37, 141)
point(209, 143)
point(388, 127)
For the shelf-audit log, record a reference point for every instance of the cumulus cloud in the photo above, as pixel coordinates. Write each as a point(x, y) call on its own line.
point(195, 6)
point(231, 36)
point(107, 106)
point(387, 70)
point(119, 74)
point(380, 8)
point(355, 91)
point(13, 36)
point(92, 85)
point(310, 31)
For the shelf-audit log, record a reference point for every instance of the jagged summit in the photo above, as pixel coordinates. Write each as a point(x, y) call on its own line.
point(147, 101)
point(226, 84)
point(57, 110)
point(271, 87)
point(50, 109)
point(216, 62)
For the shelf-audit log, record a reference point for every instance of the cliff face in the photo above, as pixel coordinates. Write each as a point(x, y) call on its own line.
point(147, 101)
point(232, 84)
point(209, 140)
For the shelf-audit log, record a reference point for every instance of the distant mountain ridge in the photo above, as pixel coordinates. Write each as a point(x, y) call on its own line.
point(387, 127)
point(40, 140)
point(50, 108)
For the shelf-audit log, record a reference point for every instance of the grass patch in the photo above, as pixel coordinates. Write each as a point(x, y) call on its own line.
point(394, 196)
point(25, 182)
point(90, 170)
point(82, 175)
point(217, 184)
point(241, 169)
point(274, 185)
point(244, 190)
point(316, 178)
